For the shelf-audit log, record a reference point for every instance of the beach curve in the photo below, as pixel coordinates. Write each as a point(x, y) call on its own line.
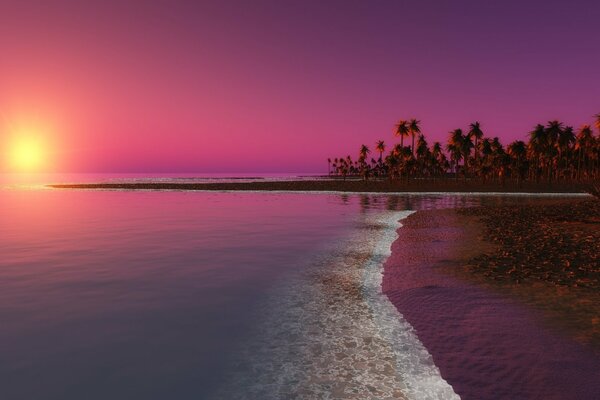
point(485, 345)
point(334, 334)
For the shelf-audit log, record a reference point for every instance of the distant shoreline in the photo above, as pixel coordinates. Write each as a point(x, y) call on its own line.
point(339, 186)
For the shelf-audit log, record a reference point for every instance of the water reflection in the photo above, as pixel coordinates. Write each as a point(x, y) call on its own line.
point(426, 201)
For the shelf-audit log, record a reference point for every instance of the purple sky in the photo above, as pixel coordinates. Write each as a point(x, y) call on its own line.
point(259, 86)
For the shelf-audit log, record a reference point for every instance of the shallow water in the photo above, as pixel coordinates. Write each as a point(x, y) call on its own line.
point(141, 294)
point(125, 295)
point(117, 294)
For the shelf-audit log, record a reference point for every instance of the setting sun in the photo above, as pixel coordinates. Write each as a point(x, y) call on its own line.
point(27, 147)
point(27, 154)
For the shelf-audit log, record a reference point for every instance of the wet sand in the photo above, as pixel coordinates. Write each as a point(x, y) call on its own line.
point(336, 185)
point(487, 345)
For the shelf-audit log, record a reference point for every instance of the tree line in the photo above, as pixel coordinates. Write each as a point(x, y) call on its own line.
point(553, 152)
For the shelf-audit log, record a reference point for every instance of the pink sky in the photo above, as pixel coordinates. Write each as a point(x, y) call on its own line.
point(278, 86)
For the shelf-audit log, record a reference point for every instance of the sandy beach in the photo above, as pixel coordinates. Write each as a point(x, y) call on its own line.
point(488, 342)
point(546, 255)
point(380, 186)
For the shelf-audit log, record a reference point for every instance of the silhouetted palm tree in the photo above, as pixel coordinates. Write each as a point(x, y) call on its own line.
point(391, 162)
point(485, 168)
point(439, 158)
point(584, 143)
point(566, 138)
point(401, 130)
point(552, 151)
point(364, 151)
point(518, 151)
point(499, 159)
point(455, 148)
point(467, 146)
point(423, 155)
point(475, 133)
point(414, 129)
point(363, 165)
point(595, 167)
point(538, 141)
point(380, 146)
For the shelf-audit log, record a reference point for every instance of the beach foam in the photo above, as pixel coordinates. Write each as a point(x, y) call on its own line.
point(415, 364)
point(331, 333)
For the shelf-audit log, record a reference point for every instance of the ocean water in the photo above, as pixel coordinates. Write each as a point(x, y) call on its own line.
point(196, 295)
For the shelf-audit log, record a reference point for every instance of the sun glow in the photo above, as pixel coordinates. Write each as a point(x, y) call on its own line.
point(27, 149)
point(27, 154)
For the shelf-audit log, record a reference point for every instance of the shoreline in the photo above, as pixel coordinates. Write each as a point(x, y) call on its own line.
point(486, 344)
point(419, 372)
point(331, 333)
point(335, 186)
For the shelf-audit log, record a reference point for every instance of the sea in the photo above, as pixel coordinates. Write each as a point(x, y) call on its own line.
point(116, 294)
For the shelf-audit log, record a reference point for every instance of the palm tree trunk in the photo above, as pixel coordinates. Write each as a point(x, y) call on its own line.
point(456, 170)
point(579, 165)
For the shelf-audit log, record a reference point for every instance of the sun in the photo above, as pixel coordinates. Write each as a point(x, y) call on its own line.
point(27, 148)
point(27, 153)
point(30, 141)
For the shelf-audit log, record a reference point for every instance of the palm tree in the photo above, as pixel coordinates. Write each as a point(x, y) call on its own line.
point(363, 166)
point(552, 151)
point(566, 138)
point(476, 133)
point(455, 148)
point(439, 157)
point(364, 151)
point(380, 146)
point(343, 168)
point(554, 128)
point(486, 163)
point(553, 131)
point(401, 130)
point(583, 142)
point(466, 146)
point(499, 159)
point(596, 154)
point(518, 151)
point(414, 129)
point(398, 155)
point(423, 154)
point(538, 141)
point(391, 162)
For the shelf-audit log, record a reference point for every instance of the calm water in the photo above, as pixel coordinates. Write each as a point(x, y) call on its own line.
point(141, 294)
point(154, 295)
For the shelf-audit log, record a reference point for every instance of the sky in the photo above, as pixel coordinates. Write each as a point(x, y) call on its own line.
point(279, 86)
